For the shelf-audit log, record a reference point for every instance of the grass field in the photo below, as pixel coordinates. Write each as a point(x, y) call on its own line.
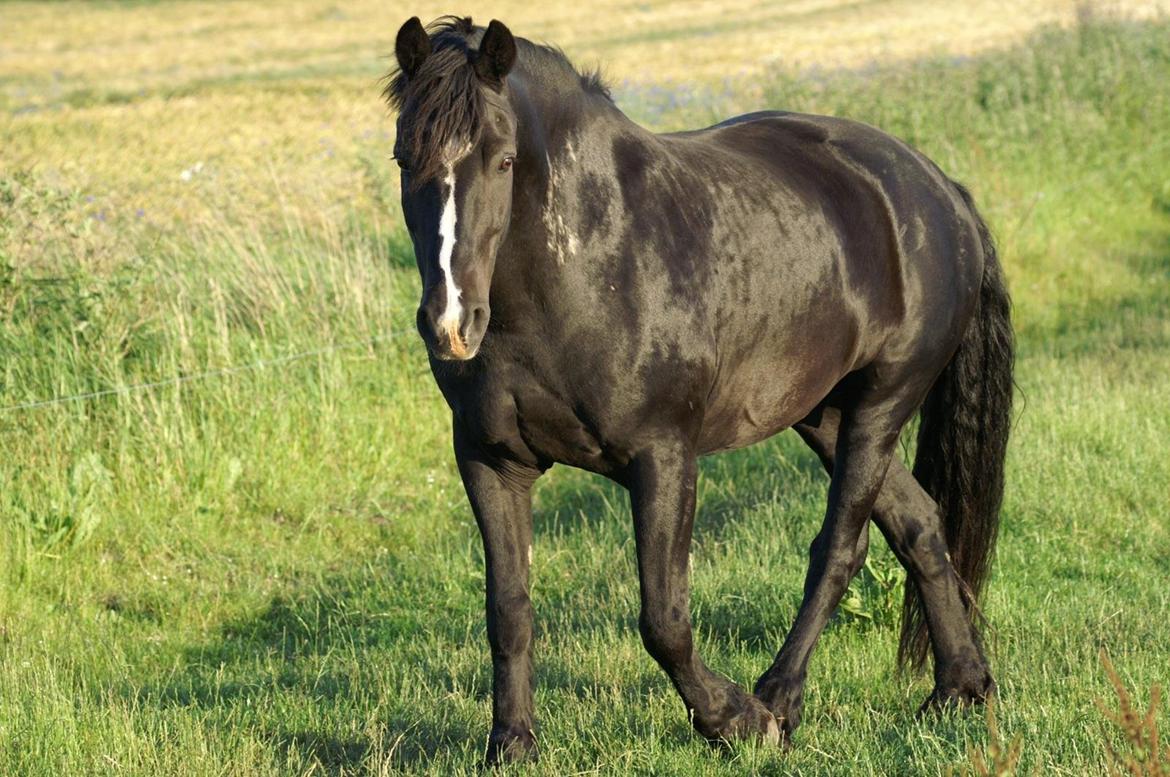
point(274, 570)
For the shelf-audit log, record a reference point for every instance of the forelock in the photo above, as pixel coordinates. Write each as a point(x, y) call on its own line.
point(442, 108)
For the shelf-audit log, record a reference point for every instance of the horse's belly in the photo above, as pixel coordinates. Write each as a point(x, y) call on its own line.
point(755, 415)
point(775, 387)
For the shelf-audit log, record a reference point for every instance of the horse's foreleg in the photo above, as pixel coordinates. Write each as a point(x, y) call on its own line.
point(910, 521)
point(662, 494)
point(863, 453)
point(501, 501)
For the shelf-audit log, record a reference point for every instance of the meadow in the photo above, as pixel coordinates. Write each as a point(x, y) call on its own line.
point(253, 554)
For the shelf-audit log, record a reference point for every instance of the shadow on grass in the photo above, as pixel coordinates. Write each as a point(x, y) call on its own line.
point(731, 486)
point(320, 645)
point(401, 742)
point(1135, 321)
point(285, 649)
point(333, 754)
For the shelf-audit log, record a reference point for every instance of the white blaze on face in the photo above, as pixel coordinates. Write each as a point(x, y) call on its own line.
point(453, 312)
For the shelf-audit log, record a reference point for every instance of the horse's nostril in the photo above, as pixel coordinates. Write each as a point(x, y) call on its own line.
point(427, 321)
point(477, 319)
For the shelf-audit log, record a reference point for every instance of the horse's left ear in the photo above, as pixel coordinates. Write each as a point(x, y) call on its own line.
point(496, 55)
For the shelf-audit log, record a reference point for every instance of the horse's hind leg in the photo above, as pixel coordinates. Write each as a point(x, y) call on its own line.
point(867, 437)
point(662, 493)
point(909, 519)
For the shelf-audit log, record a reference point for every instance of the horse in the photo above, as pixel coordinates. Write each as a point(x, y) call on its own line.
point(624, 302)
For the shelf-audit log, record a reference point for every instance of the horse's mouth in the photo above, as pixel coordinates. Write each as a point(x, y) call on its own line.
point(452, 347)
point(452, 356)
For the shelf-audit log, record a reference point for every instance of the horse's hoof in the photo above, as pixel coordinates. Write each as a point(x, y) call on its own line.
point(959, 692)
point(753, 721)
point(785, 700)
point(510, 746)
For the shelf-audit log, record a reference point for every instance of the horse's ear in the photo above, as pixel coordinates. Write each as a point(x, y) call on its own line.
point(497, 54)
point(412, 46)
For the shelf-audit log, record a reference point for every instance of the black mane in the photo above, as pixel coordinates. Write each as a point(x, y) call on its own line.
point(442, 106)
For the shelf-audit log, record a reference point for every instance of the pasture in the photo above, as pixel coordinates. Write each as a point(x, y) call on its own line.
point(258, 559)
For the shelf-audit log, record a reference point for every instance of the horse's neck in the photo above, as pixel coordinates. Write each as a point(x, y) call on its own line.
point(566, 138)
point(553, 155)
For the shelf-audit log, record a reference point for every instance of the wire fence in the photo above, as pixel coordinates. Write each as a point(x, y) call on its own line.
point(283, 360)
point(205, 375)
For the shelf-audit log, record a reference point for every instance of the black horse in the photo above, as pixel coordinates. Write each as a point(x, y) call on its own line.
point(625, 302)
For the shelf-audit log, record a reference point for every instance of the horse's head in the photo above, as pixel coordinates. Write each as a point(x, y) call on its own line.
point(456, 145)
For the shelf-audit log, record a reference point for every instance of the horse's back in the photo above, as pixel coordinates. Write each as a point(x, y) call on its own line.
point(876, 182)
point(906, 235)
point(871, 254)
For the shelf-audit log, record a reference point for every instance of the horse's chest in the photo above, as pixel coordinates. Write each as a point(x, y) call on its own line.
point(533, 425)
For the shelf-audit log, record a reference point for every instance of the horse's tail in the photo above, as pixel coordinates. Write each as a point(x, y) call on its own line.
point(962, 440)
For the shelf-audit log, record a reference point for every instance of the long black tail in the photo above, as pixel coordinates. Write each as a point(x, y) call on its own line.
point(962, 440)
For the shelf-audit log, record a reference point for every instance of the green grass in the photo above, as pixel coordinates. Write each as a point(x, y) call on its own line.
point(275, 571)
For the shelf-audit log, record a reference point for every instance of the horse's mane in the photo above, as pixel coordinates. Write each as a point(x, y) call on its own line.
point(443, 105)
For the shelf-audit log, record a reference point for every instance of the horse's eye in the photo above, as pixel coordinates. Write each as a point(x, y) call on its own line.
point(401, 163)
point(506, 163)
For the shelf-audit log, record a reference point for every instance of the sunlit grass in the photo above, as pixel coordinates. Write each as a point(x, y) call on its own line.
point(275, 571)
point(120, 99)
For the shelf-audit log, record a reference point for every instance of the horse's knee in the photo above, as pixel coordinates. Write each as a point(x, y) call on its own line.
point(510, 625)
point(667, 636)
point(832, 561)
point(859, 553)
point(920, 545)
point(818, 549)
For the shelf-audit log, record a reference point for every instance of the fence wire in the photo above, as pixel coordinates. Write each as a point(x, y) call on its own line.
point(205, 375)
point(283, 360)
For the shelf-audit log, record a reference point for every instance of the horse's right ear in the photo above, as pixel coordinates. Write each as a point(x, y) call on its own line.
point(412, 46)
point(496, 55)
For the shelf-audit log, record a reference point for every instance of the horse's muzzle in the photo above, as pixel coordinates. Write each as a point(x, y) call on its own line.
point(451, 340)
